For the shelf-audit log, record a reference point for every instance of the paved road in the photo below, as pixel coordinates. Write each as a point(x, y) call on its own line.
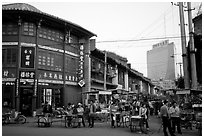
point(100, 129)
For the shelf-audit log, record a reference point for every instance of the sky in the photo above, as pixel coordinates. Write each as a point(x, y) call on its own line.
point(122, 20)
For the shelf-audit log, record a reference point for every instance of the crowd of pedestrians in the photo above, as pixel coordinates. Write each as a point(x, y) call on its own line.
point(168, 112)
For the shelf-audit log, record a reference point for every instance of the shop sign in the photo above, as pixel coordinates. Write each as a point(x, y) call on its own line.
point(81, 83)
point(50, 75)
point(81, 66)
point(17, 86)
point(27, 74)
point(35, 87)
point(56, 77)
point(27, 57)
point(9, 73)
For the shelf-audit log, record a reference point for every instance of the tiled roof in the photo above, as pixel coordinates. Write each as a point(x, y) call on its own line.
point(27, 7)
point(21, 7)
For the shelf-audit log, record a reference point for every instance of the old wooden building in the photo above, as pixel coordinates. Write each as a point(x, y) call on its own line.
point(43, 58)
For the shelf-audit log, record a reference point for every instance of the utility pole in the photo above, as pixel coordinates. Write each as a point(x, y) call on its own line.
point(105, 69)
point(192, 49)
point(183, 42)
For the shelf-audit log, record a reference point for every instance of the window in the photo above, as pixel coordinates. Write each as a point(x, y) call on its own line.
point(9, 29)
point(9, 56)
point(39, 59)
point(28, 29)
point(50, 34)
point(50, 60)
point(46, 96)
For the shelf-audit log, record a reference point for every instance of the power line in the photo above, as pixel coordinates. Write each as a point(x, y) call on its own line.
point(142, 39)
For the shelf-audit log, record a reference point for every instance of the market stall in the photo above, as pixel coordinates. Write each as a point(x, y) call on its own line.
point(101, 100)
point(190, 102)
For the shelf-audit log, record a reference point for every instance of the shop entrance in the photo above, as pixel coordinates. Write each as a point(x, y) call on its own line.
point(8, 96)
point(52, 96)
point(26, 101)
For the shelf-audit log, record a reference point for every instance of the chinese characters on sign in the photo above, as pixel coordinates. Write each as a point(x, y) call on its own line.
point(56, 76)
point(27, 57)
point(81, 66)
point(27, 74)
point(27, 77)
point(8, 73)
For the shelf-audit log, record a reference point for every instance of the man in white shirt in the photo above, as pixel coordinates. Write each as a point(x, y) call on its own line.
point(175, 117)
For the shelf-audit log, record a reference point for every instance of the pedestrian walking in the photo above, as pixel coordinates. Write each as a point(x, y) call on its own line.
point(69, 111)
point(91, 115)
point(80, 114)
point(113, 111)
point(164, 113)
point(143, 112)
point(175, 117)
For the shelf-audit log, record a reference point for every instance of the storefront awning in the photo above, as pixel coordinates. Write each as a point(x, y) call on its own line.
point(98, 92)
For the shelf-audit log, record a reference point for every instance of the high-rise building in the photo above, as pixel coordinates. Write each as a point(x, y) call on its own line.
point(161, 62)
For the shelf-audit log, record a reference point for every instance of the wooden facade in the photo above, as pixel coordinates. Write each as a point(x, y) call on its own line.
point(42, 58)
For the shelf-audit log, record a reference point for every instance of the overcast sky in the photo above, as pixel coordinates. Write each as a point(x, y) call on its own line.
point(115, 21)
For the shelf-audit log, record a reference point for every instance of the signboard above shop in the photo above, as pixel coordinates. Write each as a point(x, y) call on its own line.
point(27, 57)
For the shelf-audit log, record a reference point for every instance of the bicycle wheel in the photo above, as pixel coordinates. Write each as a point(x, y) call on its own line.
point(42, 121)
point(127, 121)
point(21, 119)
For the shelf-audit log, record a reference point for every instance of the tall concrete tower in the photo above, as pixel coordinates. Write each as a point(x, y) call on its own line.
point(160, 62)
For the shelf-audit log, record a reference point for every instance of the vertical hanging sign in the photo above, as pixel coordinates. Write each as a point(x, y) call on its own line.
point(81, 66)
point(35, 87)
point(27, 57)
point(17, 86)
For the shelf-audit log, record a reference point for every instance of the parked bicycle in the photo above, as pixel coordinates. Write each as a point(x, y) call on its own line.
point(13, 117)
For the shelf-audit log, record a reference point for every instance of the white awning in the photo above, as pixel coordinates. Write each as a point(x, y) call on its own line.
point(183, 92)
point(105, 92)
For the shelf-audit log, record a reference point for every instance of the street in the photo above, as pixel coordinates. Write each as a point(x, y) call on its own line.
point(100, 129)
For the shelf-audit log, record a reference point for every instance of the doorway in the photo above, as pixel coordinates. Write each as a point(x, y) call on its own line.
point(26, 101)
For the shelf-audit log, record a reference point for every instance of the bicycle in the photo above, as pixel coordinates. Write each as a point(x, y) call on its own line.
point(123, 120)
point(8, 118)
point(45, 120)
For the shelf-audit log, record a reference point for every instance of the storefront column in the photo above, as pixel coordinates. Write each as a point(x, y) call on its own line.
point(34, 98)
point(126, 80)
point(18, 65)
point(87, 67)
